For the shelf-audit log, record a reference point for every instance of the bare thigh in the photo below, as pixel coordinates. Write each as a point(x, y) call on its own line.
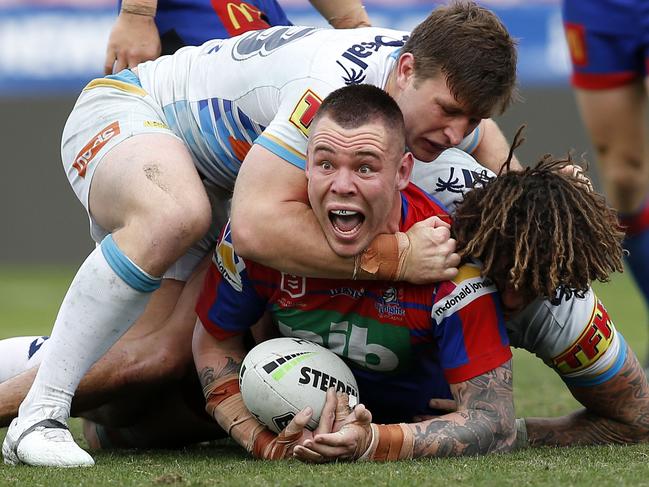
point(147, 192)
point(616, 122)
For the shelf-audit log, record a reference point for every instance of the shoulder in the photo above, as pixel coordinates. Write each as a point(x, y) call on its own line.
point(571, 333)
point(450, 176)
point(417, 205)
point(233, 268)
point(460, 293)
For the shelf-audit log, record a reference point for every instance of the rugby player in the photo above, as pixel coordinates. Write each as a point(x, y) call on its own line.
point(145, 29)
point(609, 50)
point(549, 236)
point(402, 341)
point(146, 138)
point(570, 329)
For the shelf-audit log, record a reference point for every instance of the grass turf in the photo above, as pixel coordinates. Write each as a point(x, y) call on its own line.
point(29, 299)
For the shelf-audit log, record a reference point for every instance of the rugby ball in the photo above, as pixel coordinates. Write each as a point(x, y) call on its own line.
point(282, 376)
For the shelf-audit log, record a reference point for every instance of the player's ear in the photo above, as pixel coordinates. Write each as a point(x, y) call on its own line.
point(405, 69)
point(404, 170)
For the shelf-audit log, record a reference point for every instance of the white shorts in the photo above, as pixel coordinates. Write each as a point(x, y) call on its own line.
point(109, 111)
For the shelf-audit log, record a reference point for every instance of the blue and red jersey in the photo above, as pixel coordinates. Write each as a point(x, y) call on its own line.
point(608, 41)
point(193, 22)
point(405, 343)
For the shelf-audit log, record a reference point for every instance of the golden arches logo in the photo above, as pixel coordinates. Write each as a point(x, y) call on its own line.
point(248, 11)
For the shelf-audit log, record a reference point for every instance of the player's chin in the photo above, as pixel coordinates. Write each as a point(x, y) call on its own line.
point(347, 244)
point(426, 151)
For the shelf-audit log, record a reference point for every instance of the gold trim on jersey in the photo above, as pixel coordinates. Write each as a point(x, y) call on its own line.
point(113, 83)
point(467, 271)
point(283, 144)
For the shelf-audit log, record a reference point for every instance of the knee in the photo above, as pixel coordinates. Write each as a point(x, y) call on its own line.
point(185, 222)
point(638, 431)
point(620, 161)
point(625, 176)
point(163, 236)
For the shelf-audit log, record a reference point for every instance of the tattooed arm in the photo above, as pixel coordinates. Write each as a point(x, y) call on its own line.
point(216, 360)
point(218, 363)
point(483, 423)
point(617, 411)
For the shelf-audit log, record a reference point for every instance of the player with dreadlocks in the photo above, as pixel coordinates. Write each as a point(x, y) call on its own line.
point(547, 231)
point(543, 235)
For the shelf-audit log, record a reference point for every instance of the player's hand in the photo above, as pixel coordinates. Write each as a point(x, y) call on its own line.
point(578, 173)
point(350, 436)
point(296, 433)
point(133, 39)
point(432, 256)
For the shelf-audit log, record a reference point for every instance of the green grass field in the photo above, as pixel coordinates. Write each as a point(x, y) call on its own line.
point(29, 299)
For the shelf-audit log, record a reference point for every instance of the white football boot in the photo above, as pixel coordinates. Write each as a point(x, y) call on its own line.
point(47, 443)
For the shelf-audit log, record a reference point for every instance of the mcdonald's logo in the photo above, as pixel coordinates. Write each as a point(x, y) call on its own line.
point(240, 17)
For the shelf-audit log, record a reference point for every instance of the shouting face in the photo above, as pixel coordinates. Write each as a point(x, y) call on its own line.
point(354, 178)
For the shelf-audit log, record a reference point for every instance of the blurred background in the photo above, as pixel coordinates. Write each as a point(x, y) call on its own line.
point(49, 49)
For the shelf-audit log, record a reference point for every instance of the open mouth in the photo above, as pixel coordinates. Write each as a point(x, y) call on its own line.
point(346, 222)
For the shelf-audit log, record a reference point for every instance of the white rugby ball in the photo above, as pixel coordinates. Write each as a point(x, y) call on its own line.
point(282, 376)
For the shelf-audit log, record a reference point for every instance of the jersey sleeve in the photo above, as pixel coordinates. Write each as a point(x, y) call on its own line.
point(471, 141)
point(453, 174)
point(469, 326)
point(572, 334)
point(228, 304)
point(286, 135)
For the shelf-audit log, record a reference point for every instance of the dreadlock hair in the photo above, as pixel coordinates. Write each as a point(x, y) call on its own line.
point(540, 229)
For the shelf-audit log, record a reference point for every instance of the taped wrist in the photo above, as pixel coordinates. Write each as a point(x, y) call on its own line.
point(384, 259)
point(275, 447)
point(390, 442)
point(225, 405)
point(144, 10)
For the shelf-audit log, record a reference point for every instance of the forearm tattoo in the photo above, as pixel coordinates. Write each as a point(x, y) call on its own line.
point(617, 411)
point(209, 375)
point(483, 423)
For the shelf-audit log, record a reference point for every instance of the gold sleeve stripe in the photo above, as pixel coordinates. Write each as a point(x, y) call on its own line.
point(113, 83)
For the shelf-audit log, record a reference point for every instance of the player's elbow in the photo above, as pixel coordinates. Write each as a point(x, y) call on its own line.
point(500, 436)
point(246, 240)
point(248, 224)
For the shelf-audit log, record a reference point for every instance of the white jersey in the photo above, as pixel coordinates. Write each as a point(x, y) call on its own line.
point(264, 87)
point(572, 334)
